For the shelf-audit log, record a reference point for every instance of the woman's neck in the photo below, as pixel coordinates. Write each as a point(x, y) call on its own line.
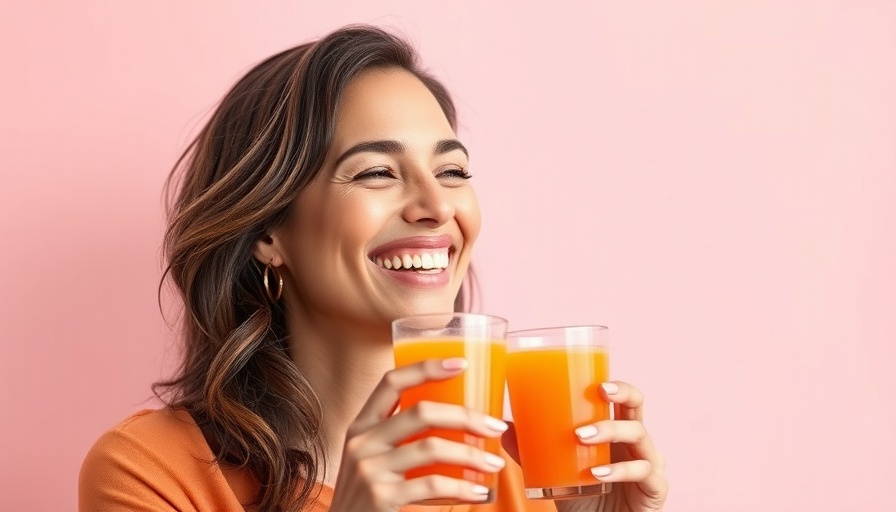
point(343, 366)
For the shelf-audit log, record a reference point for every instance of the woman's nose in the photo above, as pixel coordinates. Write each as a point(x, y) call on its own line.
point(428, 202)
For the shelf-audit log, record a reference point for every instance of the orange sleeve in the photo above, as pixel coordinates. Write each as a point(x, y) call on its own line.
point(150, 463)
point(118, 475)
point(511, 495)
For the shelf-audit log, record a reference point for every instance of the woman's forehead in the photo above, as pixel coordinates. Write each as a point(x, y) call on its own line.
point(389, 103)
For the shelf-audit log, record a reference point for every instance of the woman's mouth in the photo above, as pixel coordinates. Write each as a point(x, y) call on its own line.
point(415, 255)
point(417, 260)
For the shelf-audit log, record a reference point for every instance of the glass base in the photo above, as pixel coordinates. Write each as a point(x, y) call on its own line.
point(490, 497)
point(559, 493)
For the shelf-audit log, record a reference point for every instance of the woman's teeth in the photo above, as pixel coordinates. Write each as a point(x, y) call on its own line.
point(421, 261)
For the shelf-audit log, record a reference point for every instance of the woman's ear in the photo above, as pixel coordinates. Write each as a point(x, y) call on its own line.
point(267, 251)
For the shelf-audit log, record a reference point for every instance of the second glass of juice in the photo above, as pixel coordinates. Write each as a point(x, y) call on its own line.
point(554, 377)
point(480, 339)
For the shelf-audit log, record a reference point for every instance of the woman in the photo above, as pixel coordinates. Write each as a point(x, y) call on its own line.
point(322, 163)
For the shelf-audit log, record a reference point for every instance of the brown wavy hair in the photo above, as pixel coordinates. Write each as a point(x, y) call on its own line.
point(264, 143)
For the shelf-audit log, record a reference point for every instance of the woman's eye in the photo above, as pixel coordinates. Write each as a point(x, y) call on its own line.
point(455, 173)
point(376, 173)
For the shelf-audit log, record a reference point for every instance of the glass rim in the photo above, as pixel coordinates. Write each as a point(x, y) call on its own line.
point(546, 330)
point(492, 319)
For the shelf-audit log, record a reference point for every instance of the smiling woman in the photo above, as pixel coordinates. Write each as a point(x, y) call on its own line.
point(326, 197)
point(391, 186)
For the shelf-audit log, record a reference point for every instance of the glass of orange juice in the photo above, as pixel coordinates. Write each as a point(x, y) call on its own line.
point(553, 378)
point(480, 339)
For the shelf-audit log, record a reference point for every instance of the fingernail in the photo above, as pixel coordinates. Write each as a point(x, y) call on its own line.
point(610, 388)
point(480, 489)
point(454, 363)
point(586, 432)
point(494, 460)
point(600, 471)
point(495, 424)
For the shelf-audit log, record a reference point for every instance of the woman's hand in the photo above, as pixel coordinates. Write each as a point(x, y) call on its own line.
point(637, 471)
point(371, 474)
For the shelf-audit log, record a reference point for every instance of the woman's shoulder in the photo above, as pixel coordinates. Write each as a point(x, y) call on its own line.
point(156, 436)
point(150, 458)
point(152, 426)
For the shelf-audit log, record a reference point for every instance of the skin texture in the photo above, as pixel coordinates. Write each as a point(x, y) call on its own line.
point(340, 304)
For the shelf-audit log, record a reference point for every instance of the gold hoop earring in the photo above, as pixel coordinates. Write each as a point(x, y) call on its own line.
point(267, 286)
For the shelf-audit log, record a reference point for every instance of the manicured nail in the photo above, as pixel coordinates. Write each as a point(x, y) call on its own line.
point(454, 363)
point(480, 489)
point(610, 388)
point(600, 471)
point(495, 424)
point(494, 460)
point(586, 432)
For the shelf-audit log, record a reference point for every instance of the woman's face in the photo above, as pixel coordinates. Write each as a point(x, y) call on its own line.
point(385, 230)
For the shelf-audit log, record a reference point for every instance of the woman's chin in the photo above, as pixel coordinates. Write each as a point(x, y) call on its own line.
point(424, 307)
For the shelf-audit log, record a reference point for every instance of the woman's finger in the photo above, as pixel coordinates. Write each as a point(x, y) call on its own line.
point(382, 401)
point(629, 432)
point(641, 472)
point(432, 450)
point(627, 399)
point(425, 415)
point(438, 486)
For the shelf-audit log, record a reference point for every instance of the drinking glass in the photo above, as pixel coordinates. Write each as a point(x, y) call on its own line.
point(553, 378)
point(480, 339)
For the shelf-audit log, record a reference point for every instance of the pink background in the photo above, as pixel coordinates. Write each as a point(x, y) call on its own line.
point(716, 181)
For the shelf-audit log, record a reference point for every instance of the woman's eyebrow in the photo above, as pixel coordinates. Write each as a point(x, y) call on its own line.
point(449, 145)
point(371, 146)
point(394, 146)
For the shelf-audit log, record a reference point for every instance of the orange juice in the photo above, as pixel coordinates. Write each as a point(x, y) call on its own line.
point(553, 391)
point(480, 386)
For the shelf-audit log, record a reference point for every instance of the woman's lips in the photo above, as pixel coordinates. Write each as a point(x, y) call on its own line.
point(436, 278)
point(419, 261)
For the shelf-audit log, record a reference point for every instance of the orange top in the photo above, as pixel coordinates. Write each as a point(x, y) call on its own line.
point(159, 460)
